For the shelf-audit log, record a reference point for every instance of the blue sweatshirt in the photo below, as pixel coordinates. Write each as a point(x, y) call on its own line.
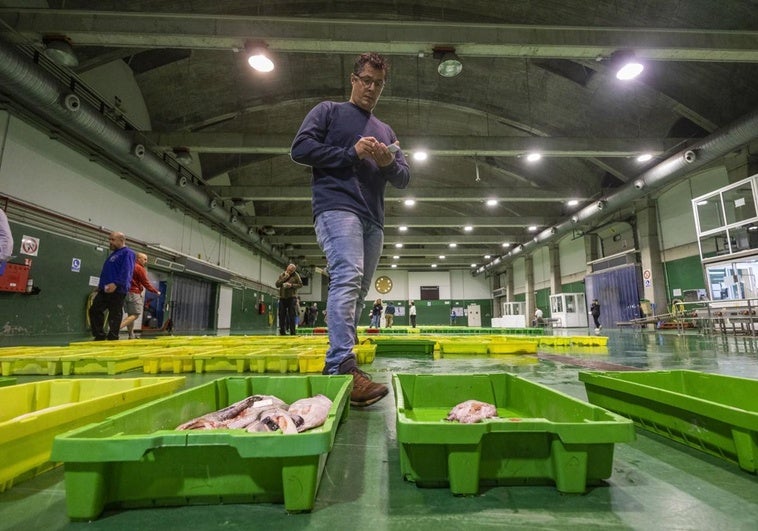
point(118, 269)
point(341, 181)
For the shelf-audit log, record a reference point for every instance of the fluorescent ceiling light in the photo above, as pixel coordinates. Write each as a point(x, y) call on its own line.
point(629, 71)
point(533, 157)
point(572, 202)
point(420, 155)
point(491, 202)
point(409, 202)
point(402, 228)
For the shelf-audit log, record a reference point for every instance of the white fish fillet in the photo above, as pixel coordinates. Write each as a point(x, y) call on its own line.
point(472, 411)
point(313, 410)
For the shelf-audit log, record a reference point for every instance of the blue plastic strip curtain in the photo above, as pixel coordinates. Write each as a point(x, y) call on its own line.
point(191, 304)
point(618, 291)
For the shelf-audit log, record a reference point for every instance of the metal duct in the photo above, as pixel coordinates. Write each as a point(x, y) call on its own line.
point(24, 81)
point(700, 153)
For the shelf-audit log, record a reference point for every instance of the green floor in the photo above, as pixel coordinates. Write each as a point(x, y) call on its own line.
point(656, 484)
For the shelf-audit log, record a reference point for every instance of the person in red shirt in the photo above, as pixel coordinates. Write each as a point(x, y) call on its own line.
point(134, 301)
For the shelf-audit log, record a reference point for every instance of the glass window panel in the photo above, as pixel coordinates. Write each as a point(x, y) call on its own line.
point(715, 245)
point(709, 213)
point(739, 204)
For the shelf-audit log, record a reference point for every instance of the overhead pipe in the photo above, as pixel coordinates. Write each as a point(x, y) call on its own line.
point(700, 153)
point(24, 81)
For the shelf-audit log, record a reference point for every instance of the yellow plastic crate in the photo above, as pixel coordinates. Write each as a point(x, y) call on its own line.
point(33, 414)
point(555, 341)
point(311, 362)
point(590, 341)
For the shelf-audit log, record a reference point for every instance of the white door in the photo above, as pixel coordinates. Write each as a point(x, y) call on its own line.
point(224, 314)
point(474, 315)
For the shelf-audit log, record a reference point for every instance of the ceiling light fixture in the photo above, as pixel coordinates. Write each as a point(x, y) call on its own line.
point(409, 202)
point(396, 257)
point(402, 228)
point(393, 266)
point(487, 256)
point(532, 228)
point(626, 64)
point(506, 245)
point(257, 56)
point(491, 202)
point(468, 228)
point(452, 245)
point(420, 155)
point(572, 202)
point(450, 64)
point(533, 157)
point(644, 157)
point(398, 246)
point(59, 50)
point(434, 265)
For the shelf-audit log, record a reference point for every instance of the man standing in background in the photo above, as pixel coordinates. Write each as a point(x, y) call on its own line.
point(288, 283)
point(115, 279)
point(6, 238)
point(135, 302)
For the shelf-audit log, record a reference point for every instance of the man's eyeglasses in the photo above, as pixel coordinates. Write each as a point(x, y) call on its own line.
point(367, 81)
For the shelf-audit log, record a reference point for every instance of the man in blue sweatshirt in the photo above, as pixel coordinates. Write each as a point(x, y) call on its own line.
point(347, 148)
point(115, 279)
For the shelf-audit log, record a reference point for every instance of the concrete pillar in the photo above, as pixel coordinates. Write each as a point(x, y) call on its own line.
point(555, 269)
point(509, 294)
point(653, 279)
point(591, 249)
point(531, 304)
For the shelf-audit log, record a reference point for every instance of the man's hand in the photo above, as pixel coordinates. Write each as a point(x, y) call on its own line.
point(366, 146)
point(382, 155)
point(109, 288)
point(287, 284)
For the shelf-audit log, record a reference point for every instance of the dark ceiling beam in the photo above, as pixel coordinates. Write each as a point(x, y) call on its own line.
point(393, 37)
point(439, 194)
point(453, 146)
point(489, 221)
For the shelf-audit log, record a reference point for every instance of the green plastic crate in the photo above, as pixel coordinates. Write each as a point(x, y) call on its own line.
point(541, 435)
point(7, 381)
point(139, 459)
point(391, 346)
point(32, 414)
point(714, 413)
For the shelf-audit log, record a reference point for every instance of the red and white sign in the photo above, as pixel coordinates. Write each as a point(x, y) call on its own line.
point(646, 274)
point(29, 245)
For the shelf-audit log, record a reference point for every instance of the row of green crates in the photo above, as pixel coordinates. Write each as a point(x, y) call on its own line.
point(118, 442)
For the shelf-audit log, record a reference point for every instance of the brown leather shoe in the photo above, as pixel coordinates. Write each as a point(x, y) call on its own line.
point(365, 392)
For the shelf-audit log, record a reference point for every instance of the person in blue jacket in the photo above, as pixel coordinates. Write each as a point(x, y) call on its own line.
point(115, 279)
point(353, 155)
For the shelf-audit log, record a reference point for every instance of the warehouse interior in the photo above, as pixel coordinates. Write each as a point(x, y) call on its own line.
point(537, 174)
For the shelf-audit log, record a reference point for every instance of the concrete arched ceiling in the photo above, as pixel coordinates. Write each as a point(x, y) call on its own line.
point(537, 76)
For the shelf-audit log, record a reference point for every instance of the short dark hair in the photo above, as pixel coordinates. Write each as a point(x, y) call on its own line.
point(375, 60)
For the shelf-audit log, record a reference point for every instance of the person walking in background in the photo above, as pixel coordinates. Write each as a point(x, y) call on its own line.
point(538, 320)
point(6, 239)
point(115, 280)
point(595, 311)
point(353, 156)
point(376, 314)
point(135, 302)
point(288, 283)
point(389, 314)
point(412, 314)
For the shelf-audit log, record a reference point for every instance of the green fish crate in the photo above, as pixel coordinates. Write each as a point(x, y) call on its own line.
point(714, 413)
point(540, 435)
point(138, 458)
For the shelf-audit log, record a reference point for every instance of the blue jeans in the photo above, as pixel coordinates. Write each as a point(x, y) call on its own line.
point(352, 247)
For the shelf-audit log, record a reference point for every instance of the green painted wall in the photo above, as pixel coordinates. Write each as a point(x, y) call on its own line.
point(573, 287)
point(60, 305)
point(436, 312)
point(684, 274)
point(542, 300)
